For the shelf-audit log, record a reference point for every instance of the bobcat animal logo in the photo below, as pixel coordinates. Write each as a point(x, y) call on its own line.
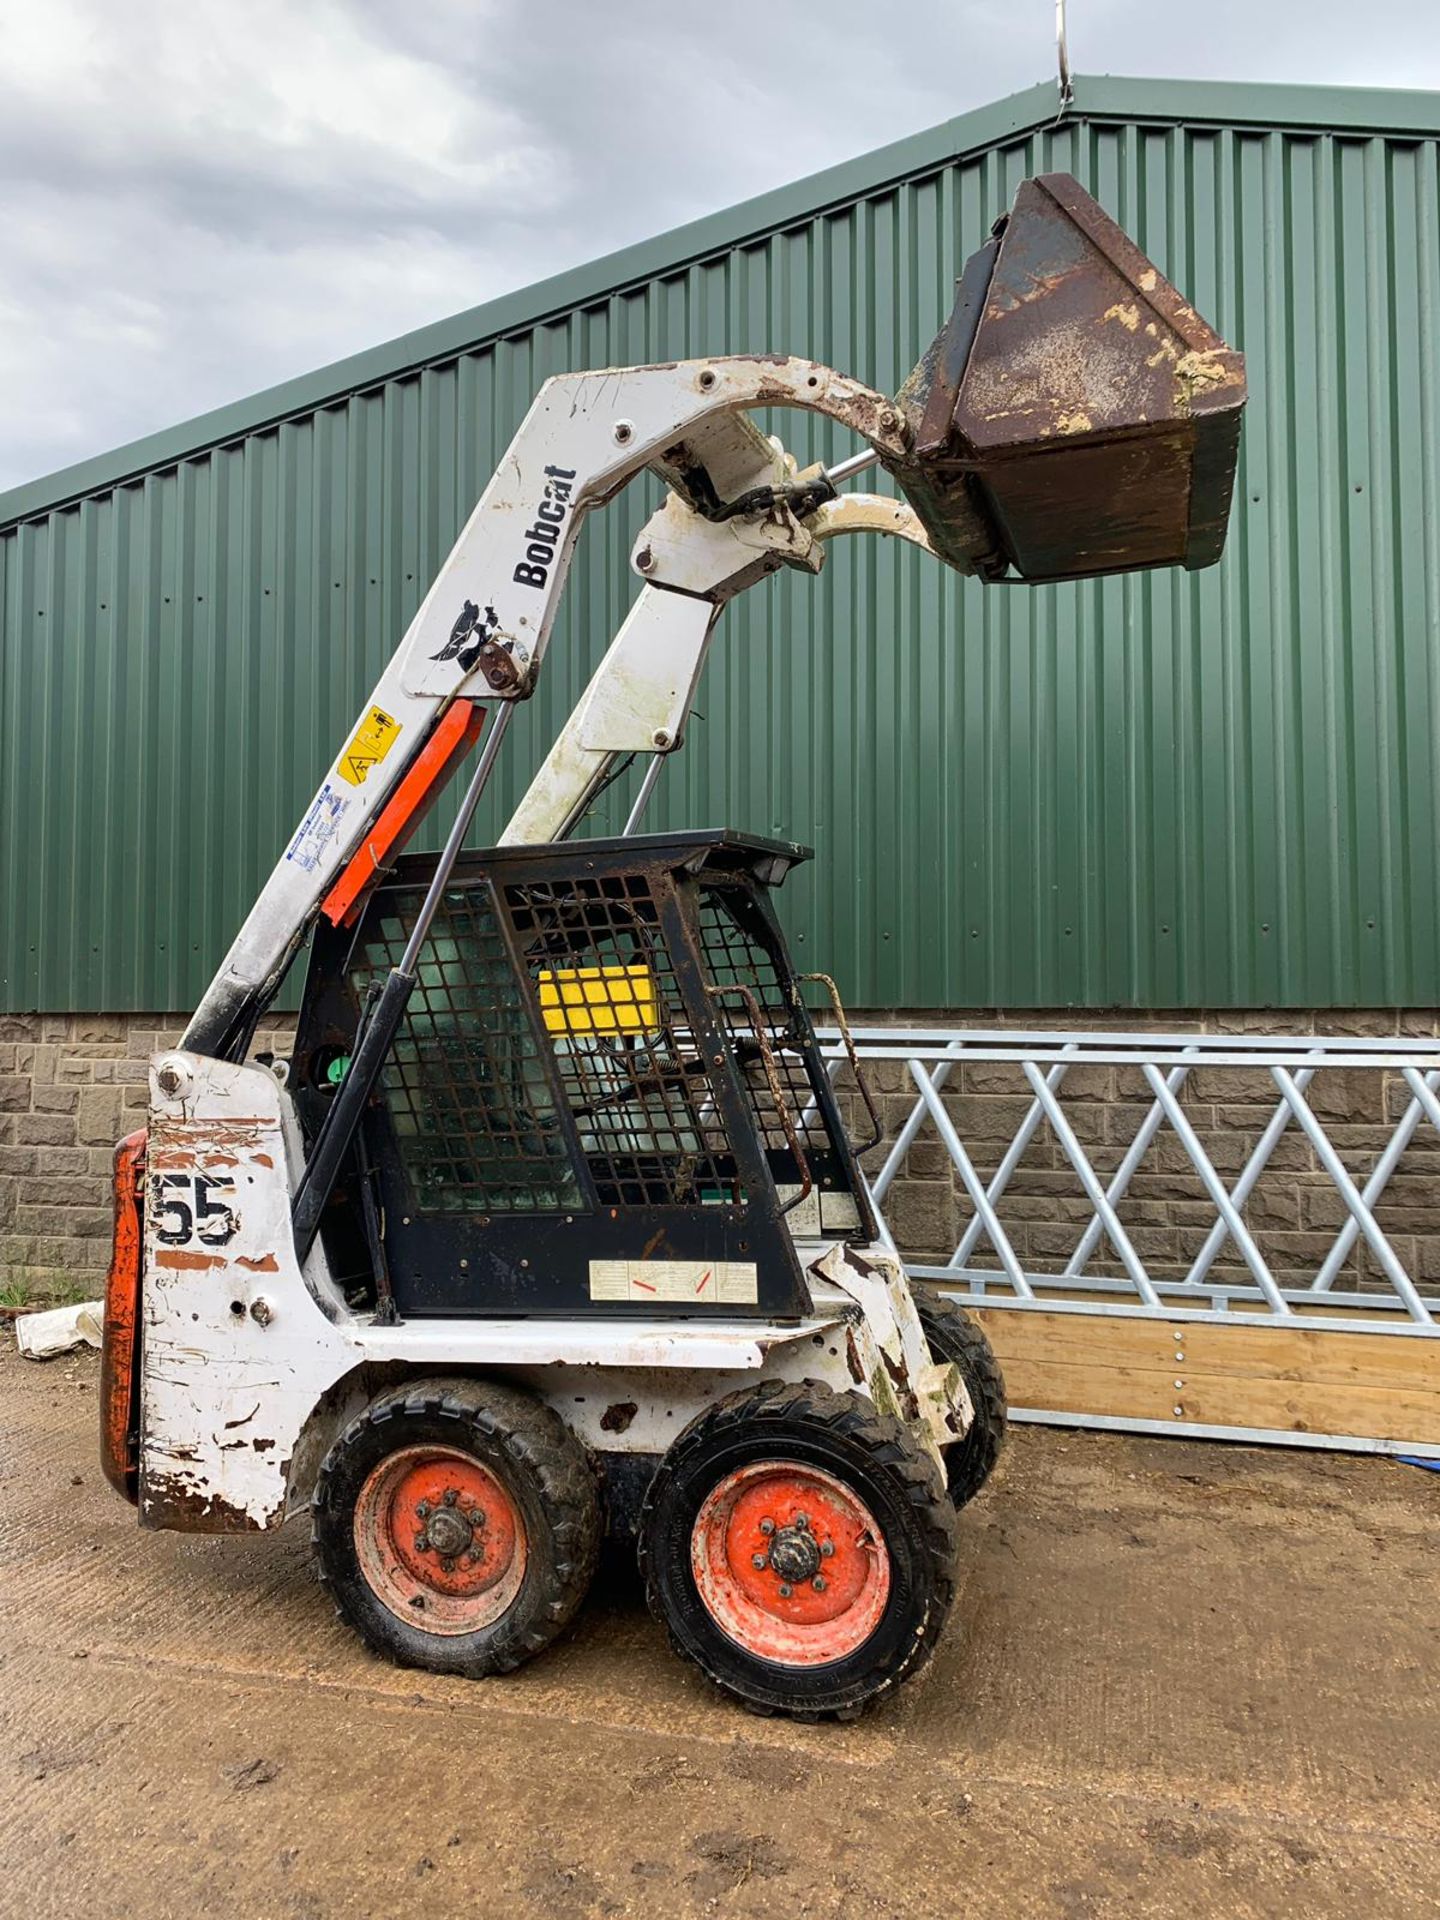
point(469, 635)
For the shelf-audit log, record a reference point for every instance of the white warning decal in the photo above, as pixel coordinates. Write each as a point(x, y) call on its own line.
point(820, 1213)
point(726, 1283)
point(839, 1213)
point(319, 827)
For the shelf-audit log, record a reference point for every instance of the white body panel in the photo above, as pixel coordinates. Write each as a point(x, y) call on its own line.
point(249, 1367)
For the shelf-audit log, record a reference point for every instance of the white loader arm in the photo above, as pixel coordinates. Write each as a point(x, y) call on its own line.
point(481, 633)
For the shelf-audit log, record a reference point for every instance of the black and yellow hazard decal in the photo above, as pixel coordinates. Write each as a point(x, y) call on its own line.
point(368, 745)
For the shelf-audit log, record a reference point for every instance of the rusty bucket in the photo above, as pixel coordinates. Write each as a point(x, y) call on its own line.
point(1074, 416)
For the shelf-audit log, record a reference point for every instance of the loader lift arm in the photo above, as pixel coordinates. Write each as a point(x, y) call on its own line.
point(482, 631)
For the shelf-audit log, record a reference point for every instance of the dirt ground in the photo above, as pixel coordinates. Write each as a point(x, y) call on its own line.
point(1178, 1679)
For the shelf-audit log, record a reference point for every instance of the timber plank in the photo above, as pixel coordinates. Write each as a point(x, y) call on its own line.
point(1373, 1386)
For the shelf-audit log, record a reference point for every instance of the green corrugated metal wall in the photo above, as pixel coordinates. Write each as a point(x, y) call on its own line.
point(1168, 791)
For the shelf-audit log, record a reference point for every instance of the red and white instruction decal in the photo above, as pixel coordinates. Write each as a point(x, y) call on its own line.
point(726, 1283)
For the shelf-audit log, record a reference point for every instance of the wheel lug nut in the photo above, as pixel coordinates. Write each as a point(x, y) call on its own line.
point(818, 1583)
point(476, 1518)
point(759, 1562)
point(827, 1547)
point(447, 1565)
point(422, 1543)
point(423, 1509)
point(472, 1558)
point(767, 1526)
point(451, 1496)
point(802, 1521)
point(785, 1590)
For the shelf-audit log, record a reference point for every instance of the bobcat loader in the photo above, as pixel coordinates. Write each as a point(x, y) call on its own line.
point(551, 1223)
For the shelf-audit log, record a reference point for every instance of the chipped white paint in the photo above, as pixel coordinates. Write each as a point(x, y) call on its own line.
point(245, 1359)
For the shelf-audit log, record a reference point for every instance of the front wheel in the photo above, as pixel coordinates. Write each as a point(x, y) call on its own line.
point(954, 1337)
point(799, 1548)
point(457, 1524)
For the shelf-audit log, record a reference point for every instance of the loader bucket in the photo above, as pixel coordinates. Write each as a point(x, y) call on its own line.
point(1074, 416)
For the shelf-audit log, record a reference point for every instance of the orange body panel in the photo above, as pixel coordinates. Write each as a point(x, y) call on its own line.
point(119, 1447)
point(456, 731)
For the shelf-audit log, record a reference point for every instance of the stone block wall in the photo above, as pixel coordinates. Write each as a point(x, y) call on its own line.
point(72, 1084)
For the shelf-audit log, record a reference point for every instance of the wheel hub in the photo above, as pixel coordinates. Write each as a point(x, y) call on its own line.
point(449, 1532)
point(795, 1552)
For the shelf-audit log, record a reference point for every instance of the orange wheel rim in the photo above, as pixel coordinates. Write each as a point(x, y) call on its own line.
point(439, 1540)
point(790, 1563)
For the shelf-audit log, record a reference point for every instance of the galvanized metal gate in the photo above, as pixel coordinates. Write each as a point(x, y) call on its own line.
point(1223, 1234)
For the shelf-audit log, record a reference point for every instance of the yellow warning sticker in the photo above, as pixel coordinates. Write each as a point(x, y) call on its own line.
point(368, 745)
point(613, 999)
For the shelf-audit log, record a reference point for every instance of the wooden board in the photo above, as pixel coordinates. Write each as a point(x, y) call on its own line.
point(1204, 1373)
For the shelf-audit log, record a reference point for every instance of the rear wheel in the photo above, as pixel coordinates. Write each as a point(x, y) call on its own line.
point(798, 1547)
point(953, 1336)
point(457, 1524)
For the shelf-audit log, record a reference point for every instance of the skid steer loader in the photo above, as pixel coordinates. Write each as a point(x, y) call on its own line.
point(552, 1223)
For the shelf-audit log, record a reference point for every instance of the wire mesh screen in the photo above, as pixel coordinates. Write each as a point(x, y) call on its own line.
point(632, 1073)
point(734, 955)
point(476, 1124)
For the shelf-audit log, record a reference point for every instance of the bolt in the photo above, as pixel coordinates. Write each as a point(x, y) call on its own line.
point(624, 433)
point(451, 1496)
point(1178, 1410)
point(889, 419)
point(423, 1509)
point(447, 1565)
point(818, 1583)
point(261, 1312)
point(472, 1559)
point(169, 1080)
point(644, 560)
point(422, 1543)
point(784, 1591)
point(759, 1562)
point(475, 1517)
point(767, 1526)
point(707, 379)
point(827, 1547)
point(661, 737)
point(802, 1520)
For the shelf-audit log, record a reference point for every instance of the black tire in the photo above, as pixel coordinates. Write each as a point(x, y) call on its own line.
point(805, 1428)
point(954, 1336)
point(538, 1466)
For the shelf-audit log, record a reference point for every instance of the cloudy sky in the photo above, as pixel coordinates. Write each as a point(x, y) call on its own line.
point(203, 197)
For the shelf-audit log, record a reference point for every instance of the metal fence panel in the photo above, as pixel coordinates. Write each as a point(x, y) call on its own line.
point(1161, 1184)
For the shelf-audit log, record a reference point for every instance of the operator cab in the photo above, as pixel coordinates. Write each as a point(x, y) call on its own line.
point(606, 1095)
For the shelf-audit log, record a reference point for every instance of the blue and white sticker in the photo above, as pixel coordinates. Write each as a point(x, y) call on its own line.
point(318, 829)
